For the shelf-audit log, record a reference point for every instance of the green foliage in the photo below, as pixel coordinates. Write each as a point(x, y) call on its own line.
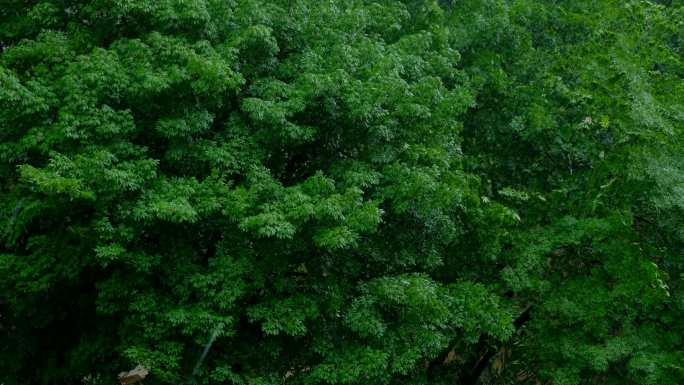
point(342, 192)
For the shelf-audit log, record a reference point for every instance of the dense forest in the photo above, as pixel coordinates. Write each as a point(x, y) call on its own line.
point(358, 192)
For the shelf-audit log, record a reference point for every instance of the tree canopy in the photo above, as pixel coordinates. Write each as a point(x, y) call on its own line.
point(342, 191)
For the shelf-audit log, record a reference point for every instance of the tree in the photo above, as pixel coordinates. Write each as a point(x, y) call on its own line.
point(341, 192)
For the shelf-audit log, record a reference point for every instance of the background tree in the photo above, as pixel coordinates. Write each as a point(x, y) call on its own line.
point(342, 192)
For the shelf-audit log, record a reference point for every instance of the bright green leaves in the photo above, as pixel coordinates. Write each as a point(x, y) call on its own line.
point(353, 365)
point(432, 316)
point(181, 200)
point(274, 114)
point(258, 48)
point(269, 224)
point(428, 304)
point(548, 246)
point(49, 49)
point(167, 207)
point(101, 123)
point(664, 172)
point(108, 253)
point(189, 124)
point(224, 282)
point(335, 238)
point(288, 315)
point(193, 19)
point(338, 219)
point(205, 70)
point(17, 99)
point(210, 72)
point(50, 182)
point(194, 320)
point(87, 176)
point(424, 189)
point(349, 208)
point(597, 282)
